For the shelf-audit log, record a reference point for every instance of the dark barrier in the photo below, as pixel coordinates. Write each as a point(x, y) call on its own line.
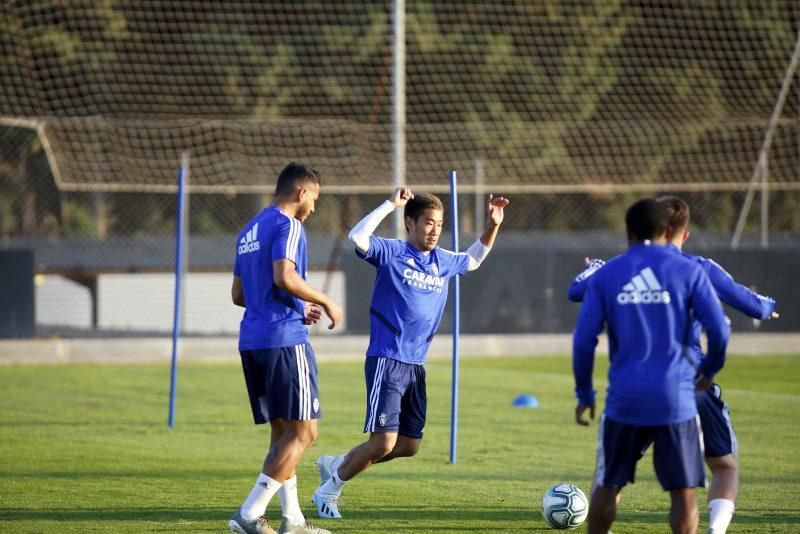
point(524, 289)
point(17, 318)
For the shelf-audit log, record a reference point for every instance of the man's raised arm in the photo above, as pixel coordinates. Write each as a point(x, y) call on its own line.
point(360, 233)
point(478, 251)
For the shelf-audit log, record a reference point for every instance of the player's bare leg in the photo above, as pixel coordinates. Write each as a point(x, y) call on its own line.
point(293, 518)
point(276, 432)
point(361, 457)
point(285, 453)
point(289, 440)
point(403, 448)
point(602, 509)
point(379, 445)
point(683, 514)
point(723, 491)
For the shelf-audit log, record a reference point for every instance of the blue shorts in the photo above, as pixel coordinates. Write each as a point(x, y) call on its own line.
point(718, 434)
point(396, 397)
point(282, 383)
point(677, 453)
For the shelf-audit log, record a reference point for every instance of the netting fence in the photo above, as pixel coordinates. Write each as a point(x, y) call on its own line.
point(571, 108)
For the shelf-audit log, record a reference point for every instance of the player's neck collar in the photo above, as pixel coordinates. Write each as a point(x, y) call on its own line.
point(416, 250)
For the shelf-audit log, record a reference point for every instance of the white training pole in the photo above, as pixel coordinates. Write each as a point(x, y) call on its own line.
point(765, 146)
point(480, 209)
point(399, 106)
point(456, 322)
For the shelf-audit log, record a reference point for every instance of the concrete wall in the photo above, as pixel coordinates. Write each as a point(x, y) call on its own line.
point(143, 302)
point(523, 289)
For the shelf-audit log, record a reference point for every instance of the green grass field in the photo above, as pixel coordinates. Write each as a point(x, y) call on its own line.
point(86, 448)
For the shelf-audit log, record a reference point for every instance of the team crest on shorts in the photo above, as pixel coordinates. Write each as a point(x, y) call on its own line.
point(382, 419)
point(315, 404)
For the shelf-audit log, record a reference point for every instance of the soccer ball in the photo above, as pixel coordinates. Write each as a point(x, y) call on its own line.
point(564, 506)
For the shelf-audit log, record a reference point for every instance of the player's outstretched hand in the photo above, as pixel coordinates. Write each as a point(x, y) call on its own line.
point(594, 262)
point(773, 314)
point(495, 209)
point(401, 196)
point(580, 409)
point(313, 313)
point(334, 313)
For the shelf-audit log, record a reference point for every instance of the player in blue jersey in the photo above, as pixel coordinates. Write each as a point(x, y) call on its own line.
point(408, 299)
point(648, 298)
point(721, 447)
point(280, 371)
point(720, 444)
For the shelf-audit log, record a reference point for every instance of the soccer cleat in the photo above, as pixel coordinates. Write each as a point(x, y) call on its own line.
point(259, 525)
point(327, 505)
point(325, 466)
point(303, 528)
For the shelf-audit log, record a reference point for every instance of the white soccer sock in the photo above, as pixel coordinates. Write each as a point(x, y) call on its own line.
point(337, 462)
point(256, 503)
point(721, 515)
point(289, 503)
point(334, 485)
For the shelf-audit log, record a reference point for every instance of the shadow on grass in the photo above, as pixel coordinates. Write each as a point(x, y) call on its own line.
point(392, 519)
point(214, 473)
point(132, 425)
point(117, 514)
point(771, 517)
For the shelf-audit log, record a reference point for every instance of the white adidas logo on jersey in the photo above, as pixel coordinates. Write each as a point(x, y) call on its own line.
point(643, 289)
point(249, 242)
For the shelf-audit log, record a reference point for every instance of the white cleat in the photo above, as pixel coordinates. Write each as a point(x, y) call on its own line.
point(327, 505)
point(326, 467)
point(240, 525)
point(305, 528)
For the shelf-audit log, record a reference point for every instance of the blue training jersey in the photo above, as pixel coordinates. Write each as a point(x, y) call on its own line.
point(649, 298)
point(272, 317)
point(408, 297)
point(728, 290)
point(734, 295)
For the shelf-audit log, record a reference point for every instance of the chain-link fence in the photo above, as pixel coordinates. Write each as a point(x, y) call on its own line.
point(572, 109)
point(75, 232)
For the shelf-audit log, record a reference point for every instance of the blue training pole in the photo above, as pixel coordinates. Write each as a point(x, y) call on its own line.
point(456, 321)
point(176, 317)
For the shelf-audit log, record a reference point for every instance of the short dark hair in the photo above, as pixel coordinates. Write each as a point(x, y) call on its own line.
point(679, 213)
point(295, 175)
point(420, 203)
point(646, 219)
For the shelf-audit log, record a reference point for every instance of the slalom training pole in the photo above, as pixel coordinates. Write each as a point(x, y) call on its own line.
point(176, 316)
point(456, 321)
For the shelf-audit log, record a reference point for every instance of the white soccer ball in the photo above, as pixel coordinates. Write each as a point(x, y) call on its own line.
point(564, 506)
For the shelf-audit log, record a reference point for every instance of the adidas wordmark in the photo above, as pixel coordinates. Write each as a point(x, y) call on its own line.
point(249, 242)
point(643, 289)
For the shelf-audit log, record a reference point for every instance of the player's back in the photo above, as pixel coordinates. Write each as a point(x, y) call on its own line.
point(648, 296)
point(272, 317)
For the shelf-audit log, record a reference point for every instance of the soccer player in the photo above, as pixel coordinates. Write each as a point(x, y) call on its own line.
point(280, 371)
point(719, 438)
point(648, 297)
point(408, 299)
